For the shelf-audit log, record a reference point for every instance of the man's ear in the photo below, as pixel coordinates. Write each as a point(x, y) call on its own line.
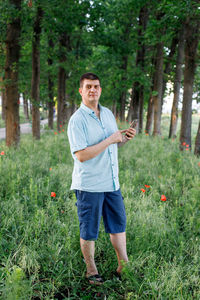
point(80, 91)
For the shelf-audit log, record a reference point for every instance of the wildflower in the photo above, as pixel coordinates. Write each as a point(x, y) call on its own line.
point(2, 153)
point(146, 134)
point(187, 149)
point(199, 164)
point(187, 145)
point(163, 198)
point(59, 131)
point(60, 126)
point(147, 186)
point(53, 194)
point(143, 190)
point(184, 143)
point(50, 169)
point(63, 130)
point(55, 133)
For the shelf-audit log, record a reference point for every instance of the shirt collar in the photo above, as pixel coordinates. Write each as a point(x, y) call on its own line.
point(89, 110)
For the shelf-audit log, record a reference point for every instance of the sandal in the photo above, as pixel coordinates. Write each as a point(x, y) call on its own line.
point(95, 279)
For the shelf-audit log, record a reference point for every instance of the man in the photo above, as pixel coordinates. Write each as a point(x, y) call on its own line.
point(94, 139)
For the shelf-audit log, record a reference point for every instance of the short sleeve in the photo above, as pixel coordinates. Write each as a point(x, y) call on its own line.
point(76, 135)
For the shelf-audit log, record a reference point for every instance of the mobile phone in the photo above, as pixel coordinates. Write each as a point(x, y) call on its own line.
point(134, 123)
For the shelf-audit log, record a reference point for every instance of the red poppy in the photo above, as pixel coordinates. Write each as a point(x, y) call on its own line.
point(146, 134)
point(143, 190)
point(187, 145)
point(199, 164)
point(53, 194)
point(59, 131)
point(60, 126)
point(63, 130)
point(2, 152)
point(50, 169)
point(147, 186)
point(187, 149)
point(55, 133)
point(184, 143)
point(163, 198)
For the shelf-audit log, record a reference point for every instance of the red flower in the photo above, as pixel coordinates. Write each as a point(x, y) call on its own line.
point(50, 169)
point(163, 198)
point(187, 149)
point(184, 143)
point(2, 152)
point(53, 194)
point(199, 164)
point(55, 133)
point(143, 190)
point(59, 131)
point(147, 186)
point(187, 145)
point(60, 126)
point(63, 130)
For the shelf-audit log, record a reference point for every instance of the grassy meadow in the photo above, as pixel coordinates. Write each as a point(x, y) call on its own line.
point(40, 257)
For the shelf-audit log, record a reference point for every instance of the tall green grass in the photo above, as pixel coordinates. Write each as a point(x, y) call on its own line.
point(40, 257)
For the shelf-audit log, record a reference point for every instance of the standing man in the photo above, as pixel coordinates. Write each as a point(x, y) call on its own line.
point(94, 139)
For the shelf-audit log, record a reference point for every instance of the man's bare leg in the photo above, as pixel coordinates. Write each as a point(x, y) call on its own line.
point(88, 249)
point(118, 241)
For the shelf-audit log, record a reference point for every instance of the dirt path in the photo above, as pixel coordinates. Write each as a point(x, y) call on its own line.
point(24, 128)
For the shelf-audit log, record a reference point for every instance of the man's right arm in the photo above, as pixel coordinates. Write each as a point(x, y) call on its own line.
point(92, 151)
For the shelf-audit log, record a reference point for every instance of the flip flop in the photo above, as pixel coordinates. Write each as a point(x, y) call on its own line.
point(95, 279)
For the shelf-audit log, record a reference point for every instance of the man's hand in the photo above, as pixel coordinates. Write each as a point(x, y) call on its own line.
point(117, 136)
point(130, 133)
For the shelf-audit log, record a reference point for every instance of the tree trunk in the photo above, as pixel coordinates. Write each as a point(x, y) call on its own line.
point(158, 82)
point(51, 103)
point(35, 84)
point(191, 44)
point(197, 142)
point(135, 110)
point(122, 99)
point(141, 109)
point(3, 98)
point(168, 66)
point(150, 116)
point(177, 85)
point(64, 46)
point(25, 105)
point(11, 77)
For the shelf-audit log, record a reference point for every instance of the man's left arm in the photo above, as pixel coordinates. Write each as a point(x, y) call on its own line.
point(129, 135)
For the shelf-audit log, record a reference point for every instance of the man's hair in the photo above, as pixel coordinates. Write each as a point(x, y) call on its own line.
point(90, 76)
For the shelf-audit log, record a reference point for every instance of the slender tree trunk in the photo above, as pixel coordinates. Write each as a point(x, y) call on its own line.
point(191, 44)
point(51, 103)
point(11, 77)
point(158, 82)
point(197, 142)
point(141, 110)
point(168, 66)
point(35, 84)
point(177, 85)
point(135, 109)
point(3, 99)
point(150, 116)
point(25, 105)
point(61, 114)
point(122, 99)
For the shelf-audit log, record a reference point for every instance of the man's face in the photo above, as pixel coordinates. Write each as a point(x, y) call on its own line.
point(90, 91)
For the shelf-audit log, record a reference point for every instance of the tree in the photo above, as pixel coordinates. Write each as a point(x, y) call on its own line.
point(197, 142)
point(11, 74)
point(177, 83)
point(35, 83)
point(191, 43)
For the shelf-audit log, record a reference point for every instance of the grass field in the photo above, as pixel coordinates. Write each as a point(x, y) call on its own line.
point(40, 256)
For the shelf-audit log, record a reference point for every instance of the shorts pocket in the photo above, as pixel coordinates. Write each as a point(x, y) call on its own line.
point(84, 212)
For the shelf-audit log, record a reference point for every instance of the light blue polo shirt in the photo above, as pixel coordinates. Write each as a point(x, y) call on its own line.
point(99, 174)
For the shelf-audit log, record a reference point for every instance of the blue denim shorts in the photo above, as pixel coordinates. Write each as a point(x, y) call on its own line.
point(91, 206)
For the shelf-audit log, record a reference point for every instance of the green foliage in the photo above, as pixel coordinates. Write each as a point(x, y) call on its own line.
point(39, 246)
